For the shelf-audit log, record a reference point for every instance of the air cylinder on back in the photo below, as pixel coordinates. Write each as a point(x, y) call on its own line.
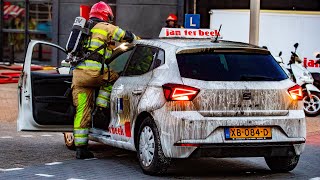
point(76, 35)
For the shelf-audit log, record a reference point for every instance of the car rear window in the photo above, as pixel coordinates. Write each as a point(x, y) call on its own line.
point(230, 67)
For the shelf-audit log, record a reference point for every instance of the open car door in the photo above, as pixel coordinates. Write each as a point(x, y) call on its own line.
point(45, 98)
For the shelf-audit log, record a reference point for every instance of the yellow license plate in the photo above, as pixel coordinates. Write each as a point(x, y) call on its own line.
point(248, 133)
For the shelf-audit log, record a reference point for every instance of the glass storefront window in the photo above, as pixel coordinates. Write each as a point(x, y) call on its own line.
point(39, 26)
point(40, 20)
point(13, 36)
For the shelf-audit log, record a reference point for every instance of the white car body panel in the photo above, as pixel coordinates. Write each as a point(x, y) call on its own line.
point(25, 119)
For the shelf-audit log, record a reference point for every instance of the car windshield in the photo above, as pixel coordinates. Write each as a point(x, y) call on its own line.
point(230, 67)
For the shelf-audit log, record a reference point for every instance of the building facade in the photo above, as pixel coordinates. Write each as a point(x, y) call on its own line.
point(51, 20)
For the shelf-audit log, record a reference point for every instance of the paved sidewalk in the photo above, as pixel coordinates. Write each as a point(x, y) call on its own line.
point(313, 125)
point(8, 102)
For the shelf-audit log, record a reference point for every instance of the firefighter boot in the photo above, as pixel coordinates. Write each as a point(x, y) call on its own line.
point(101, 118)
point(83, 153)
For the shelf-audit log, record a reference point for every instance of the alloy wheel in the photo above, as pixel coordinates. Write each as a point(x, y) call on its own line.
point(311, 104)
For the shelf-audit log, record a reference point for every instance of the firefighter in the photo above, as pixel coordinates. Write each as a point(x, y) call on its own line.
point(92, 73)
point(172, 22)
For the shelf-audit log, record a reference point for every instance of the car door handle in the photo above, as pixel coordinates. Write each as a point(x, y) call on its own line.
point(68, 82)
point(137, 92)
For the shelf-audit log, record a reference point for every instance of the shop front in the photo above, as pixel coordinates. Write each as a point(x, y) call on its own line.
point(20, 21)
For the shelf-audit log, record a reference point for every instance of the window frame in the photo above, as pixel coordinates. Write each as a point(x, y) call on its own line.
point(125, 66)
point(153, 61)
point(164, 59)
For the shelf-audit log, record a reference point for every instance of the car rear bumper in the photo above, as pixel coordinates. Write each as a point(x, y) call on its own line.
point(248, 150)
point(190, 127)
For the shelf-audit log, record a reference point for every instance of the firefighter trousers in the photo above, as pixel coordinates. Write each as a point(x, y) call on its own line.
point(84, 84)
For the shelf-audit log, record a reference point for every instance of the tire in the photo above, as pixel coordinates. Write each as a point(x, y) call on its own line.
point(312, 107)
point(150, 155)
point(282, 164)
point(69, 140)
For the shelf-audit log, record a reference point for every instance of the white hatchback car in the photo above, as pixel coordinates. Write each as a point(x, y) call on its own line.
point(180, 98)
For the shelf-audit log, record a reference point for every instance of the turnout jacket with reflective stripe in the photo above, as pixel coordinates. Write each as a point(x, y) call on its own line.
point(102, 33)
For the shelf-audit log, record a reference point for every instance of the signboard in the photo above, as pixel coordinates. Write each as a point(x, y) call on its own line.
point(189, 33)
point(192, 21)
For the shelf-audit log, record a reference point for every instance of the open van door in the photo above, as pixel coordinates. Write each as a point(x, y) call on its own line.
point(45, 98)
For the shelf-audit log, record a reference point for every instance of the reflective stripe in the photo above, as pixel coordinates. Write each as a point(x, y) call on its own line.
point(80, 135)
point(105, 94)
point(96, 43)
point(81, 144)
point(102, 102)
point(90, 64)
point(108, 88)
point(108, 54)
point(80, 131)
point(82, 99)
point(99, 31)
point(104, 98)
point(92, 48)
point(118, 34)
point(80, 141)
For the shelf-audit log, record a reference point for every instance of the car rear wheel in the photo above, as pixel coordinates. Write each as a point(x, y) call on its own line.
point(69, 140)
point(282, 164)
point(311, 104)
point(151, 157)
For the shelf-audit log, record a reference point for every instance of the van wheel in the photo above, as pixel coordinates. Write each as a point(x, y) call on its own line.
point(311, 106)
point(69, 140)
point(282, 164)
point(151, 158)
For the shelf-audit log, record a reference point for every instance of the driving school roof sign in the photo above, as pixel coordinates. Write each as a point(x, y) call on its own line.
point(189, 33)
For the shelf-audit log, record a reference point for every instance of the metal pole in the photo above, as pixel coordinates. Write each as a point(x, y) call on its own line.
point(187, 10)
point(180, 9)
point(1, 33)
point(194, 6)
point(254, 22)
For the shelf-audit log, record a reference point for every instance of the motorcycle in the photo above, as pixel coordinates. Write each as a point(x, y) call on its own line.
point(283, 66)
point(301, 76)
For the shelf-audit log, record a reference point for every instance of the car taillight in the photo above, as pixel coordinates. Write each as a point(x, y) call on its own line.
point(179, 92)
point(296, 92)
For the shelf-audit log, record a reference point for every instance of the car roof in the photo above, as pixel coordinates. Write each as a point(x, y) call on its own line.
point(204, 42)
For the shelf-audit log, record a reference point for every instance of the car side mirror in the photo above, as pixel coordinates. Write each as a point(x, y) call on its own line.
point(318, 55)
point(296, 45)
point(280, 53)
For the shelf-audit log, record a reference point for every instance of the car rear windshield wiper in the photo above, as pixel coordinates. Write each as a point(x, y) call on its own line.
point(257, 78)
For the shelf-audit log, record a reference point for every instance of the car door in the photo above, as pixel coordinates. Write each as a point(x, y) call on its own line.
point(129, 88)
point(45, 102)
